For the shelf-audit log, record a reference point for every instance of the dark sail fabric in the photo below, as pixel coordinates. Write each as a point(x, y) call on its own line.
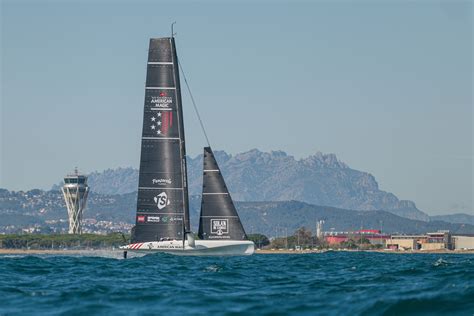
point(162, 203)
point(219, 218)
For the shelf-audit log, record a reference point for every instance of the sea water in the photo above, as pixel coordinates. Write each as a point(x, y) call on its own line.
point(331, 283)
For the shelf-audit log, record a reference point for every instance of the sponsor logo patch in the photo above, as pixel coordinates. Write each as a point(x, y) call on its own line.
point(153, 219)
point(162, 200)
point(162, 101)
point(161, 181)
point(219, 227)
point(169, 219)
point(161, 122)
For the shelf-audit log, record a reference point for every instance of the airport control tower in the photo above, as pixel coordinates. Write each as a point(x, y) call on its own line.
point(75, 192)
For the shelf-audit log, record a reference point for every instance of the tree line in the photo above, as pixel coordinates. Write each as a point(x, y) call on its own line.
point(62, 241)
point(302, 238)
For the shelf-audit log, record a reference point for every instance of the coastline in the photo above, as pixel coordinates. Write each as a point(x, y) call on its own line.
point(296, 252)
point(4, 251)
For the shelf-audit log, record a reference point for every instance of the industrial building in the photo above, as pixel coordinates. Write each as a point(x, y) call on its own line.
point(374, 236)
point(430, 241)
point(465, 242)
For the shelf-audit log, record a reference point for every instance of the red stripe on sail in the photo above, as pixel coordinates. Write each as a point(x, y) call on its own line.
point(164, 123)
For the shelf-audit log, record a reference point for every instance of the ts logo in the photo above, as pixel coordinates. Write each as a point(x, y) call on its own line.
point(161, 200)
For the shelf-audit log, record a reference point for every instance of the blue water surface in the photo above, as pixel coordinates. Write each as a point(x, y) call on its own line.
point(331, 283)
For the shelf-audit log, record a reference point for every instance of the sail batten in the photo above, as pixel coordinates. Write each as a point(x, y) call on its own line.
point(162, 203)
point(219, 219)
point(160, 88)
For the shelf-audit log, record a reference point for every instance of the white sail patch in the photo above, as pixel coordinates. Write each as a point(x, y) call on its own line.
point(219, 226)
point(162, 200)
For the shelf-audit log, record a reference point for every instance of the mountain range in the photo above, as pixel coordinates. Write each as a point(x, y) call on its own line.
point(458, 218)
point(37, 207)
point(319, 179)
point(271, 218)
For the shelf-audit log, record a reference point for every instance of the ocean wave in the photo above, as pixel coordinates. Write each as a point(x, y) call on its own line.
point(332, 283)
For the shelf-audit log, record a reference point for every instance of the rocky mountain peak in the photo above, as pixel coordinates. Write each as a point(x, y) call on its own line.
point(320, 159)
point(254, 175)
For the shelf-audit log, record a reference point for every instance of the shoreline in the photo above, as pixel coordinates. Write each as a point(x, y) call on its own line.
point(5, 251)
point(298, 252)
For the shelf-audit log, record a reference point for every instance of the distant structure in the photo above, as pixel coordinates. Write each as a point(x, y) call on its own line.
point(75, 191)
point(319, 229)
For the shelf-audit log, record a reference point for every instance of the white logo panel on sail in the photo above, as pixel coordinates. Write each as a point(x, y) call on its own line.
point(219, 227)
point(162, 200)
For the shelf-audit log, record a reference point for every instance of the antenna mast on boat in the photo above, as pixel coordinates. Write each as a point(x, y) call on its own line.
point(172, 32)
point(185, 231)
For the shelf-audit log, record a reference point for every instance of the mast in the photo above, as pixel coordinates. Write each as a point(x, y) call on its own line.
point(186, 224)
point(162, 204)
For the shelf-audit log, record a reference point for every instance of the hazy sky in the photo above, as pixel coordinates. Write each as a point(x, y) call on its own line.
point(387, 87)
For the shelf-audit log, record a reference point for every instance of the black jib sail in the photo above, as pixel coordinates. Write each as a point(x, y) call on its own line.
point(219, 218)
point(162, 203)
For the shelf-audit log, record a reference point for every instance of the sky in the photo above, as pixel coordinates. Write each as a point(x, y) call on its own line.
point(386, 86)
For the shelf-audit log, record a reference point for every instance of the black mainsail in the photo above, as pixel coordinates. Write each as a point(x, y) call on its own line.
point(219, 218)
point(162, 204)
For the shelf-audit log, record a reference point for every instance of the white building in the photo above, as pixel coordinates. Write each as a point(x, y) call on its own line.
point(463, 242)
point(75, 191)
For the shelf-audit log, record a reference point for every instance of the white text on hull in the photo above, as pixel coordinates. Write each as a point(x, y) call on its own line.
point(201, 247)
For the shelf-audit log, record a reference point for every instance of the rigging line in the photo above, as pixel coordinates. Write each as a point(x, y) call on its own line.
point(194, 103)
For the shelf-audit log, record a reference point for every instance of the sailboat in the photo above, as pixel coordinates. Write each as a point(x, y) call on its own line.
point(162, 217)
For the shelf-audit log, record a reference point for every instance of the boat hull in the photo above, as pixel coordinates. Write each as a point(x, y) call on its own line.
point(200, 248)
